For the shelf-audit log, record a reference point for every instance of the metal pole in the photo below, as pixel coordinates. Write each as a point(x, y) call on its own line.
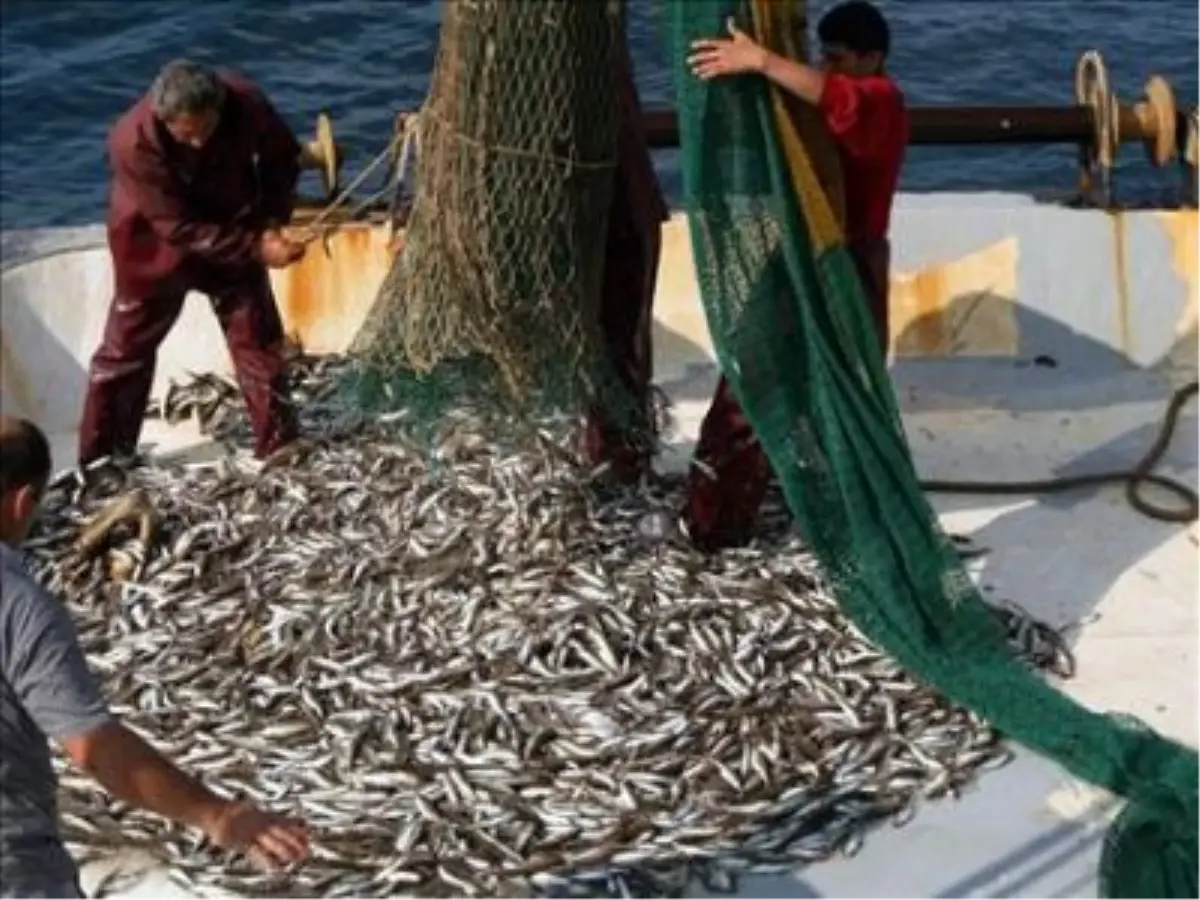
point(949, 125)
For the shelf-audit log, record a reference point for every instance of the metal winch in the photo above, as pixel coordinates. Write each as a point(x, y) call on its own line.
point(1166, 132)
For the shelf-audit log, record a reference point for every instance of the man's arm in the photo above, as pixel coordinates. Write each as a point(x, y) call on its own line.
point(739, 54)
point(794, 77)
point(847, 105)
point(133, 771)
point(50, 677)
point(55, 686)
point(142, 175)
point(853, 109)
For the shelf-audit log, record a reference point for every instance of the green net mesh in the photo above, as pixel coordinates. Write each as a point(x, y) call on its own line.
point(790, 324)
point(493, 302)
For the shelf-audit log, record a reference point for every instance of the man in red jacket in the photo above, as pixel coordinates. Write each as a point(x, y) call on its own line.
point(865, 112)
point(203, 177)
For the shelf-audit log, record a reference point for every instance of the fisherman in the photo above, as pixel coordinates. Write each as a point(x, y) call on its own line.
point(865, 112)
point(48, 691)
point(204, 173)
point(632, 248)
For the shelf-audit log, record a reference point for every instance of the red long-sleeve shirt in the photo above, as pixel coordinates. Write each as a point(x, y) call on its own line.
point(868, 119)
point(176, 211)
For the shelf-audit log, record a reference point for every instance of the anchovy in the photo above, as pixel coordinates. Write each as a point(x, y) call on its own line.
point(477, 668)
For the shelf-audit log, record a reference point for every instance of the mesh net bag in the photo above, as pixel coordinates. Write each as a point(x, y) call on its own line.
point(493, 302)
point(789, 321)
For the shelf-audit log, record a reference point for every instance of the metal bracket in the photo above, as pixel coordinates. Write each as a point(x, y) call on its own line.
point(325, 155)
point(1094, 91)
point(1189, 156)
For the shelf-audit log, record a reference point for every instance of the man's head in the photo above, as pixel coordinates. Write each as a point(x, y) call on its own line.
point(855, 39)
point(187, 98)
point(24, 471)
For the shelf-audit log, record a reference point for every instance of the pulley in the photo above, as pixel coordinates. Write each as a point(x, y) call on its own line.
point(323, 154)
point(1153, 120)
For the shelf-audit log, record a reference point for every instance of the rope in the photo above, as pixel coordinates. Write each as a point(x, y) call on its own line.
point(1135, 478)
point(317, 229)
point(410, 142)
point(568, 163)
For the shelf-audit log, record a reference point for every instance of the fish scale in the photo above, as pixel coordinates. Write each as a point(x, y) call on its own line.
point(495, 675)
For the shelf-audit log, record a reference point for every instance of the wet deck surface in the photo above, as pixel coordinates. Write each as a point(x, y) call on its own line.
point(1127, 583)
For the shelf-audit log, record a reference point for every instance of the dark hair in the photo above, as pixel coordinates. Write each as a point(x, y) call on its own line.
point(858, 26)
point(24, 455)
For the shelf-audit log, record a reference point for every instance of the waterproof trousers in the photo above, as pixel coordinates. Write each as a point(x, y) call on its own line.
point(727, 488)
point(626, 320)
point(122, 370)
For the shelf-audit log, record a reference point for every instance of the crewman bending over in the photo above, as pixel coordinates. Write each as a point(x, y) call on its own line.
point(204, 174)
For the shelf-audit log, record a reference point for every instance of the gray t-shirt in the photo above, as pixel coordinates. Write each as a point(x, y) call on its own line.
point(46, 691)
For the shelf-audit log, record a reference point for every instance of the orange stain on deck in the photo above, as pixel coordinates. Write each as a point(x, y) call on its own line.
point(963, 306)
point(1120, 231)
point(323, 299)
point(1181, 229)
point(966, 306)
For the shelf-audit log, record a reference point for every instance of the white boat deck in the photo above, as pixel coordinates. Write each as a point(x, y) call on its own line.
point(1127, 583)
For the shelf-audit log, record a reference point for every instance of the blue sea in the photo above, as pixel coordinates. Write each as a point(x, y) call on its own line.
point(69, 67)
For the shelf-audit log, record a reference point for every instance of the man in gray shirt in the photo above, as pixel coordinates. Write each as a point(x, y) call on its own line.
point(48, 691)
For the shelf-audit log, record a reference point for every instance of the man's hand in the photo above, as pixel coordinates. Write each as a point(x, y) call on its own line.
point(136, 773)
point(396, 245)
point(271, 842)
point(277, 251)
point(712, 58)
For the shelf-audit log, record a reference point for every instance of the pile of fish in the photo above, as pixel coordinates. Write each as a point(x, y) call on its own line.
point(481, 672)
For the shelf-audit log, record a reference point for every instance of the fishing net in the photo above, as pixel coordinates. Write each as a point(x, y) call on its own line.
point(493, 301)
point(790, 325)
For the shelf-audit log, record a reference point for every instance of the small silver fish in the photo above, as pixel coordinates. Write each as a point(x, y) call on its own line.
point(476, 673)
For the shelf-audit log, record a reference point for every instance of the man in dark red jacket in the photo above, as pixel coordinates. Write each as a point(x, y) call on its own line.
point(866, 114)
point(203, 177)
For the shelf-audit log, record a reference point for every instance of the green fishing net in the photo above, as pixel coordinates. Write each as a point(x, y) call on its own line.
point(790, 325)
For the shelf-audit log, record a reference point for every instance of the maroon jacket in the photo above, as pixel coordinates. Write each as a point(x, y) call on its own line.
point(176, 214)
